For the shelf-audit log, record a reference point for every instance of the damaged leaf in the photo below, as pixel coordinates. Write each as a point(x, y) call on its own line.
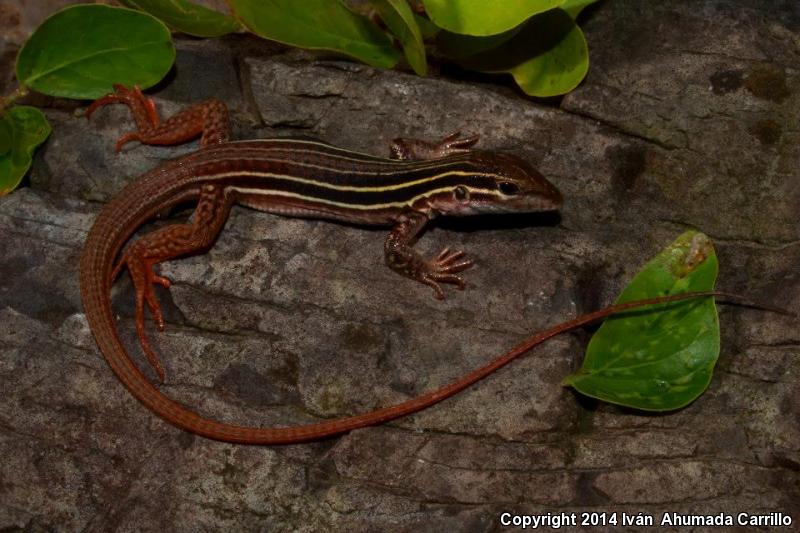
point(660, 357)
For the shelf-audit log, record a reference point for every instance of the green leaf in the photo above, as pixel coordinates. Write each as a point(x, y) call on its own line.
point(458, 46)
point(479, 17)
point(6, 135)
point(547, 57)
point(660, 357)
point(427, 28)
point(319, 25)
point(187, 17)
point(397, 16)
point(82, 50)
point(574, 7)
point(22, 129)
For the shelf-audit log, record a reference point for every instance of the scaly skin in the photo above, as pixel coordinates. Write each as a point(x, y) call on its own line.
point(205, 176)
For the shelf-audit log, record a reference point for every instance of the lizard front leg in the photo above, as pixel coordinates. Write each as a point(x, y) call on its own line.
point(169, 242)
point(208, 119)
point(403, 259)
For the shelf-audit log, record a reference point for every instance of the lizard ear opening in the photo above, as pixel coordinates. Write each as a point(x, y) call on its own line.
point(461, 193)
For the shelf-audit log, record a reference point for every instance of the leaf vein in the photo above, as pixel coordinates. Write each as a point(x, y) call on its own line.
point(72, 63)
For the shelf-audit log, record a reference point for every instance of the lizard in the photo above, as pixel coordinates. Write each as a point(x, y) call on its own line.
point(419, 182)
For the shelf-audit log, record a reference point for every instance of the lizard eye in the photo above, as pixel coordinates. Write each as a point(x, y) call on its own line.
point(461, 193)
point(508, 188)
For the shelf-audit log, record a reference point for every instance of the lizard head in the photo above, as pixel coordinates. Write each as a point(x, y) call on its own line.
point(494, 182)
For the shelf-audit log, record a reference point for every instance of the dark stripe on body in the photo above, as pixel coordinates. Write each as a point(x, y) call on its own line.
point(361, 198)
point(335, 168)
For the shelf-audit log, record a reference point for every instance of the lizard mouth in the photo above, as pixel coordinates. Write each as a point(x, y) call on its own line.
point(550, 199)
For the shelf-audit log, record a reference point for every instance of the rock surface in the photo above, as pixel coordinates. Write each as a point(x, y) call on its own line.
point(688, 119)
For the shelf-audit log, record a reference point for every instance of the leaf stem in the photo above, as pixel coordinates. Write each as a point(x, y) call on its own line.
point(6, 101)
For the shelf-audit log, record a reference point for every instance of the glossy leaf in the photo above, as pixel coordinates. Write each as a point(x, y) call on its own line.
point(22, 129)
point(82, 50)
point(574, 7)
point(479, 17)
point(187, 17)
point(319, 25)
point(397, 16)
point(661, 357)
point(547, 57)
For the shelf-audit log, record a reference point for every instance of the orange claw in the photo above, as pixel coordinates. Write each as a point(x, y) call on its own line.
point(101, 102)
point(125, 139)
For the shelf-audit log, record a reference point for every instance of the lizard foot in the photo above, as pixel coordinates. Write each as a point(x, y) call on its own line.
point(133, 98)
point(445, 269)
point(409, 149)
point(143, 277)
point(143, 110)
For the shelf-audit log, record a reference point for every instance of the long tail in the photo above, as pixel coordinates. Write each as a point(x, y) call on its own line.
point(102, 245)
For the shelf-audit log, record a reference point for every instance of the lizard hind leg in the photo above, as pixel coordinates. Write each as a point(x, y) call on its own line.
point(167, 243)
point(209, 120)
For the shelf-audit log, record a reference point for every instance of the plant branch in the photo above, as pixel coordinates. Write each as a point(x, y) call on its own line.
point(19, 92)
